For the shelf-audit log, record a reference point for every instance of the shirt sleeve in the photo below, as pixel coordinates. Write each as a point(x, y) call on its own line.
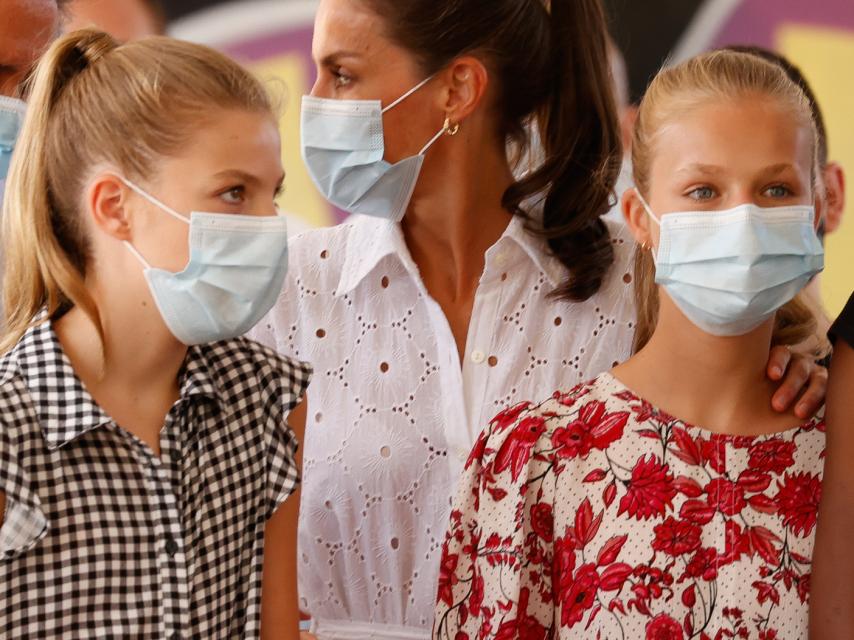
point(496, 565)
point(283, 474)
point(24, 522)
point(843, 328)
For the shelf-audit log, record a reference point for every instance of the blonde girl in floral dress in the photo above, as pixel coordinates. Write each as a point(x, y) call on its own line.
point(665, 499)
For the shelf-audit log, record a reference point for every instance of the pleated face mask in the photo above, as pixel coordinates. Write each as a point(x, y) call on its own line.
point(343, 147)
point(12, 113)
point(729, 271)
point(236, 270)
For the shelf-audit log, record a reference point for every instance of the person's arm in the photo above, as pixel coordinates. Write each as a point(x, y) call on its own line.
point(279, 597)
point(832, 582)
point(802, 380)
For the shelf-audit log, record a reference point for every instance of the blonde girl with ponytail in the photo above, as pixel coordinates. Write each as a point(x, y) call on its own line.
point(145, 457)
point(666, 498)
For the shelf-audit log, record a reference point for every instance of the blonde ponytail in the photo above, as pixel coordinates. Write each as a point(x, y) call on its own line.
point(44, 253)
point(92, 102)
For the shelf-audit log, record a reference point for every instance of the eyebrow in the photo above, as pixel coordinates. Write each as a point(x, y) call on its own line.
point(777, 169)
point(246, 177)
point(700, 168)
point(239, 175)
point(710, 169)
point(331, 59)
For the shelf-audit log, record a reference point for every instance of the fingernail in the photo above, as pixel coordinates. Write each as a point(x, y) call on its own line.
point(777, 371)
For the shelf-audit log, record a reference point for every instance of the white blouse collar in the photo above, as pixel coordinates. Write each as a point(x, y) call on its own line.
point(372, 239)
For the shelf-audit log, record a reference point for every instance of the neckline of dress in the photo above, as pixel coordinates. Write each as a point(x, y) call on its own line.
point(788, 433)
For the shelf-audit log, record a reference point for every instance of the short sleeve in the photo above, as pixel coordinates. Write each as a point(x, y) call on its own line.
point(24, 522)
point(843, 328)
point(283, 475)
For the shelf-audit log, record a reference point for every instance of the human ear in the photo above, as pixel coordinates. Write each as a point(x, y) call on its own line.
point(637, 218)
point(834, 182)
point(106, 204)
point(467, 80)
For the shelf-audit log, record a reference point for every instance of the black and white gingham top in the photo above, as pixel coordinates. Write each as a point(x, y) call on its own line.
point(101, 538)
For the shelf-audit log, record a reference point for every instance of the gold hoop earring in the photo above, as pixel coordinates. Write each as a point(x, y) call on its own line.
point(449, 129)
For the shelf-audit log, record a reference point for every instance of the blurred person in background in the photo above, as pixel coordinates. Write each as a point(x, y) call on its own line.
point(26, 28)
point(125, 20)
point(627, 113)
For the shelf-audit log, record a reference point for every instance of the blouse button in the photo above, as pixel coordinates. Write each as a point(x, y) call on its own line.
point(478, 356)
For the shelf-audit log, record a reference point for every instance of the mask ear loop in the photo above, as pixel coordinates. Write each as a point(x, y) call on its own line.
point(649, 212)
point(446, 128)
point(156, 203)
point(136, 254)
point(153, 200)
point(407, 94)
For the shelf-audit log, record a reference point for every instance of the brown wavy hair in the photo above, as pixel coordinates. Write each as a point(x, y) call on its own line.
point(549, 59)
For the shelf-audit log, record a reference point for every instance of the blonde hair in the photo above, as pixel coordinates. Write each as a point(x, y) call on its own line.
point(91, 102)
point(715, 76)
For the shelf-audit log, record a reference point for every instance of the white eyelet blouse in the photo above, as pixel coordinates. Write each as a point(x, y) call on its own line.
point(393, 416)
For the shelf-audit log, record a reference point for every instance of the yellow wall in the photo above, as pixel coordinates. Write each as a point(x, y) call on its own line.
point(826, 57)
point(286, 77)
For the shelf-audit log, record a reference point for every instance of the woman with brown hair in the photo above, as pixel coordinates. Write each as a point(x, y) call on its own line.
point(459, 289)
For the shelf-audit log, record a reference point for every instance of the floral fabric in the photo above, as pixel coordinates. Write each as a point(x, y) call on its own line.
point(596, 515)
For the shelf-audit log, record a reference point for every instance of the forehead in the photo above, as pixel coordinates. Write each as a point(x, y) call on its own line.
point(232, 139)
point(347, 25)
point(234, 131)
point(736, 133)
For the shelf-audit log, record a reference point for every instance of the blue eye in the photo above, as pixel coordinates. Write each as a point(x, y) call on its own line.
point(778, 191)
point(702, 193)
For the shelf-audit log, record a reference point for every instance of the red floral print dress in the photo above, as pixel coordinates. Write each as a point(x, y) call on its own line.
point(596, 515)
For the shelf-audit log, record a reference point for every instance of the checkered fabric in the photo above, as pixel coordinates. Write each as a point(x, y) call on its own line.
point(101, 537)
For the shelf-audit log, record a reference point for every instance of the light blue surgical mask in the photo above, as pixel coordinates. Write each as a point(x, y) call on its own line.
point(236, 270)
point(12, 113)
point(343, 147)
point(729, 271)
